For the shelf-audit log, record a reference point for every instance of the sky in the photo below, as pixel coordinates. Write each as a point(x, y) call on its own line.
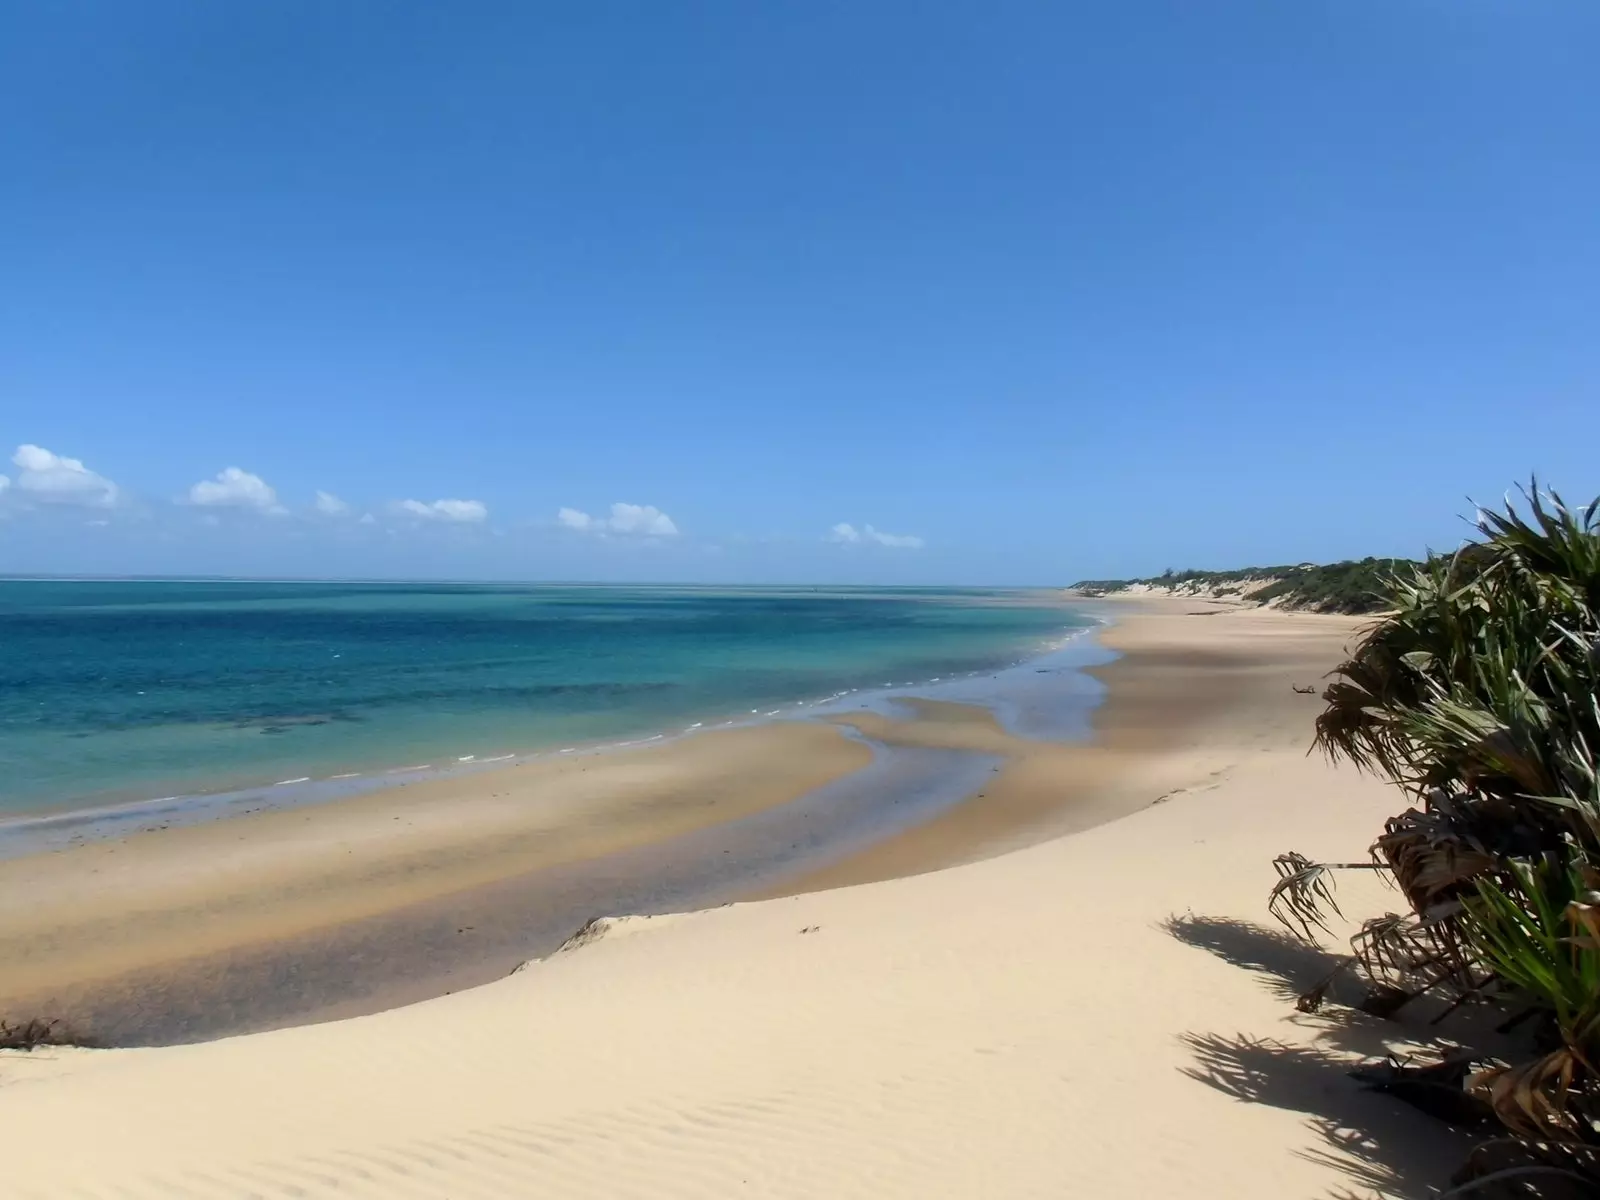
point(873, 291)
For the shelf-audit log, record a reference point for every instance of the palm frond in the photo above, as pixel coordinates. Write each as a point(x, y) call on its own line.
point(1479, 694)
point(1304, 895)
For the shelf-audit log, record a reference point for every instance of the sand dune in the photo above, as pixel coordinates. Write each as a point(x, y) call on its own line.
point(1102, 1014)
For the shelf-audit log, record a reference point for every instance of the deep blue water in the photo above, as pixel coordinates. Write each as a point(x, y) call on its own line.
point(114, 691)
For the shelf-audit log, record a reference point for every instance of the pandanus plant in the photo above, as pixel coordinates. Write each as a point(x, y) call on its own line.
point(1479, 694)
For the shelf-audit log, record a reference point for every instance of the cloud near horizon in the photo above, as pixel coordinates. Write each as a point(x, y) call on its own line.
point(54, 479)
point(459, 511)
point(236, 488)
point(635, 520)
point(330, 505)
point(44, 478)
point(848, 535)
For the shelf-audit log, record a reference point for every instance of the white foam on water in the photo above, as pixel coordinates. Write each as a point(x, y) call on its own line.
point(287, 782)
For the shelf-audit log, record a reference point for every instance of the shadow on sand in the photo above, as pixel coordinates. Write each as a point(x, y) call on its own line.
point(1286, 965)
point(1381, 1146)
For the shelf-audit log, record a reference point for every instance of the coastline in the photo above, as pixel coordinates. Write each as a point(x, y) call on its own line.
point(279, 914)
point(285, 914)
point(303, 732)
point(307, 913)
point(70, 823)
point(987, 1028)
point(1171, 704)
point(104, 932)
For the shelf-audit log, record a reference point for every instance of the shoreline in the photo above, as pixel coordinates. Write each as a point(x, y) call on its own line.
point(1164, 700)
point(986, 1028)
point(395, 895)
point(296, 913)
point(53, 826)
point(223, 919)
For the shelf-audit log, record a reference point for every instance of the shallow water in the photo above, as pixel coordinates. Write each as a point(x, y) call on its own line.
point(119, 692)
point(476, 935)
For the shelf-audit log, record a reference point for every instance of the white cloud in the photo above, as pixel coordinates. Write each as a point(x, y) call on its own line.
point(629, 520)
point(644, 519)
point(234, 488)
point(4, 484)
point(903, 541)
point(848, 535)
point(367, 519)
point(465, 511)
point(330, 505)
point(52, 479)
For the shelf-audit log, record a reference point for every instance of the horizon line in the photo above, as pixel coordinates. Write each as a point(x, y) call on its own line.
point(6, 577)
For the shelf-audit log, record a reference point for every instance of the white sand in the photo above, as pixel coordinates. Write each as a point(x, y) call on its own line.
point(1022, 1026)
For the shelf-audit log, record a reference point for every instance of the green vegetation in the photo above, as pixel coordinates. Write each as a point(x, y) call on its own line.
point(1346, 587)
point(1480, 696)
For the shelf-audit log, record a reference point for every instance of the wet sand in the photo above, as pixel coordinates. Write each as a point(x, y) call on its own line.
point(1175, 702)
point(289, 916)
point(302, 914)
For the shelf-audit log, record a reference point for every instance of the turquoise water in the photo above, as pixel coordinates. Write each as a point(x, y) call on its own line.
point(120, 691)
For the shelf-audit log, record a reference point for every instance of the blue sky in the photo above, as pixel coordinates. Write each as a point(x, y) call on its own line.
point(1014, 293)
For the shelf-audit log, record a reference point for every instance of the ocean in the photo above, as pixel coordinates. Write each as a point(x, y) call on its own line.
point(121, 691)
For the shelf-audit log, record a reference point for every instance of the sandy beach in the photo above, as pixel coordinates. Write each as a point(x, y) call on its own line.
point(1067, 985)
point(374, 900)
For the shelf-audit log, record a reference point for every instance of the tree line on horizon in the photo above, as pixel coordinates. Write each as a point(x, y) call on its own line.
point(1354, 586)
